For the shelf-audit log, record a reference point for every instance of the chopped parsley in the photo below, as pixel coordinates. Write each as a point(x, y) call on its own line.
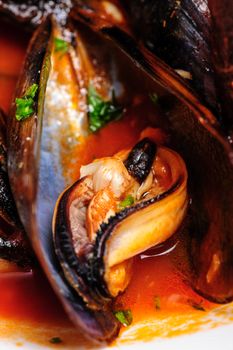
point(55, 340)
point(101, 112)
point(154, 98)
point(157, 302)
point(127, 202)
point(25, 105)
point(61, 45)
point(196, 306)
point(124, 317)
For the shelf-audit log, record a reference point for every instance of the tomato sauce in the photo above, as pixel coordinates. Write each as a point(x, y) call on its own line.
point(12, 53)
point(28, 296)
point(158, 288)
point(115, 136)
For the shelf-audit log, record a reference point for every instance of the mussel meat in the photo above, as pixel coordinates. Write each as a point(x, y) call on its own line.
point(120, 207)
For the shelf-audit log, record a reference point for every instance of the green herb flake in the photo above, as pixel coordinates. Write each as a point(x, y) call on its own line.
point(127, 202)
point(55, 340)
point(31, 91)
point(124, 317)
point(196, 306)
point(154, 98)
point(25, 105)
point(157, 303)
point(101, 112)
point(61, 45)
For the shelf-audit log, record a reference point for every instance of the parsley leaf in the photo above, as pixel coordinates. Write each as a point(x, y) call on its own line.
point(154, 98)
point(101, 112)
point(61, 45)
point(127, 202)
point(195, 305)
point(25, 105)
point(32, 90)
point(125, 317)
point(157, 302)
point(55, 340)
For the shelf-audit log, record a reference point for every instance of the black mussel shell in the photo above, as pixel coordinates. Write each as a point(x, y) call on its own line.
point(201, 31)
point(85, 259)
point(222, 49)
point(178, 32)
point(14, 245)
point(207, 149)
point(29, 145)
point(194, 36)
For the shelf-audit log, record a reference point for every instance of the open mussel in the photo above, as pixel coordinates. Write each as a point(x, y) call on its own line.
point(194, 38)
point(202, 138)
point(206, 31)
point(120, 207)
point(14, 246)
point(49, 122)
point(38, 144)
point(178, 32)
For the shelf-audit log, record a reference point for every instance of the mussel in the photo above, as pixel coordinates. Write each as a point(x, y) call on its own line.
point(84, 263)
point(14, 245)
point(179, 26)
point(206, 31)
point(120, 207)
point(54, 131)
point(201, 32)
point(201, 134)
